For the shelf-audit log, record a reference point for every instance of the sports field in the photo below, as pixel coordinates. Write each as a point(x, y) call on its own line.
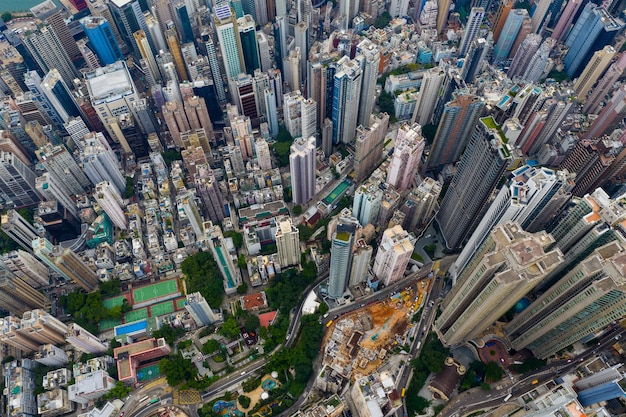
point(108, 324)
point(135, 315)
point(180, 303)
point(160, 289)
point(115, 301)
point(162, 308)
point(147, 372)
point(336, 192)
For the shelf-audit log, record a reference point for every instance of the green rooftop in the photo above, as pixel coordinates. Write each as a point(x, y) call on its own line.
point(343, 236)
point(491, 124)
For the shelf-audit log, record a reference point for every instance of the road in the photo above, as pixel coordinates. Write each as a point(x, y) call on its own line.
point(476, 399)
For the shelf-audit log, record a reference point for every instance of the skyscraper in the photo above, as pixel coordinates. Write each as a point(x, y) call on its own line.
point(540, 14)
point(539, 62)
point(502, 14)
point(479, 172)
point(63, 169)
point(474, 20)
point(17, 296)
point(249, 48)
point(129, 19)
point(586, 300)
point(474, 59)
point(370, 60)
point(341, 257)
point(109, 199)
point(183, 19)
point(455, 128)
point(561, 30)
point(507, 266)
point(143, 46)
point(19, 229)
point(300, 115)
point(523, 56)
point(50, 13)
point(302, 169)
point(46, 49)
point(173, 44)
point(366, 203)
point(100, 162)
point(17, 182)
point(442, 15)
point(509, 34)
point(346, 93)
point(610, 115)
point(230, 44)
point(593, 71)
point(301, 32)
point(594, 29)
point(368, 145)
point(604, 86)
point(24, 265)
point(83, 341)
point(429, 91)
point(287, 243)
point(210, 193)
point(102, 39)
point(65, 263)
point(529, 198)
point(219, 249)
point(200, 310)
point(407, 155)
point(394, 253)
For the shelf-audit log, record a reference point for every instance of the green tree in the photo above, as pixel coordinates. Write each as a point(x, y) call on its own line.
point(417, 404)
point(211, 346)
point(241, 261)
point(429, 131)
point(7, 17)
point(230, 328)
point(382, 21)
point(110, 288)
point(297, 210)
point(242, 289)
point(177, 370)
point(252, 322)
point(236, 237)
point(169, 333)
point(202, 275)
point(282, 150)
point(323, 308)
point(119, 391)
point(129, 191)
point(171, 155)
point(244, 401)
point(493, 372)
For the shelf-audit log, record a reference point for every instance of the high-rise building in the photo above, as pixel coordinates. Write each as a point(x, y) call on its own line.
point(230, 44)
point(594, 29)
point(11, 335)
point(219, 249)
point(500, 17)
point(183, 15)
point(590, 160)
point(609, 116)
point(509, 34)
point(24, 265)
point(369, 56)
point(540, 14)
point(186, 203)
point(432, 81)
point(524, 55)
point(345, 104)
point(53, 96)
point(300, 115)
point(442, 15)
point(129, 18)
point(394, 253)
point(507, 266)
point(210, 193)
point(46, 49)
point(368, 145)
point(562, 28)
point(109, 199)
point(143, 46)
point(102, 39)
point(555, 110)
point(593, 71)
point(474, 59)
point(17, 182)
point(100, 162)
point(586, 300)
point(42, 327)
point(341, 257)
point(366, 203)
point(302, 169)
point(50, 13)
point(18, 229)
point(83, 341)
point(531, 197)
point(474, 20)
point(421, 204)
point(455, 128)
point(361, 258)
point(249, 48)
point(605, 85)
point(101, 9)
point(479, 172)
point(173, 44)
point(198, 308)
point(301, 32)
point(287, 242)
point(539, 62)
point(407, 155)
point(63, 169)
point(16, 296)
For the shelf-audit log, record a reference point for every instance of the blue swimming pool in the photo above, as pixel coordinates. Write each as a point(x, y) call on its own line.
point(131, 328)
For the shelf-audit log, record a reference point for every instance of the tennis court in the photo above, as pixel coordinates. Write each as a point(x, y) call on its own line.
point(160, 289)
point(161, 309)
point(343, 186)
point(135, 315)
point(108, 324)
point(180, 303)
point(115, 301)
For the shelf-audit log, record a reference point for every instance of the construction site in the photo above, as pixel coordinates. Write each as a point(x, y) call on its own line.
point(358, 343)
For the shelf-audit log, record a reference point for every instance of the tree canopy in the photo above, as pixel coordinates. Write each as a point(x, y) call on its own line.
point(202, 275)
point(177, 370)
point(169, 333)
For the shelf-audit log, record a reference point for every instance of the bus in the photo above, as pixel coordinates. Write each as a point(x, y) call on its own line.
point(329, 323)
point(508, 397)
point(154, 400)
point(144, 399)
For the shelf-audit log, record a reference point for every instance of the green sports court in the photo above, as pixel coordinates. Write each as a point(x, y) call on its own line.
point(180, 303)
point(161, 290)
point(108, 324)
point(162, 308)
point(115, 301)
point(336, 192)
point(135, 315)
